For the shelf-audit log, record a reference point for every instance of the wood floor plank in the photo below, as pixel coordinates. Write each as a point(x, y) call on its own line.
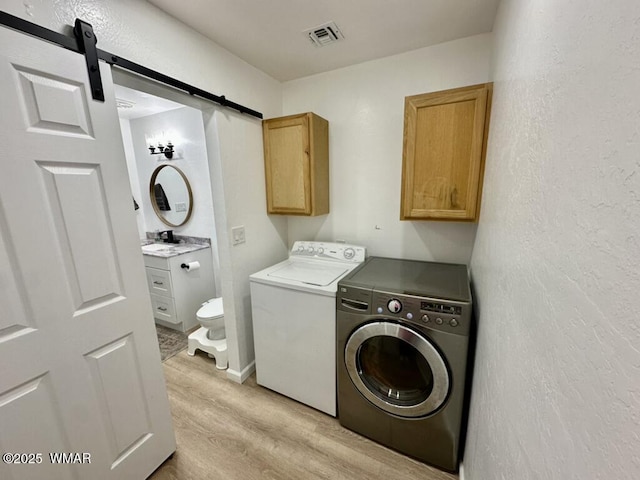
point(247, 432)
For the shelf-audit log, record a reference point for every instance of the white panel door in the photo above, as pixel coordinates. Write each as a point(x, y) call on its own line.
point(80, 368)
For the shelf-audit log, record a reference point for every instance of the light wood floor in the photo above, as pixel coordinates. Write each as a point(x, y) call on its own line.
point(247, 432)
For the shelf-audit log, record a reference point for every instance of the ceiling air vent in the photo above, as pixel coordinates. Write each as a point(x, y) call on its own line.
point(324, 34)
point(124, 103)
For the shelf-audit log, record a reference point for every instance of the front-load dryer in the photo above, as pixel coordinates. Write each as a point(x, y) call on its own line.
point(402, 345)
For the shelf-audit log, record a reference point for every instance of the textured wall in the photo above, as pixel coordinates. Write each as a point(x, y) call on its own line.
point(556, 263)
point(364, 105)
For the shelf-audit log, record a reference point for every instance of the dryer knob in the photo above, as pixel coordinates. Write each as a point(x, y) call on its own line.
point(349, 253)
point(310, 249)
point(394, 305)
point(300, 248)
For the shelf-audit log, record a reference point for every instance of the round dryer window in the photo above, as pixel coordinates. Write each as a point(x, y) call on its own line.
point(397, 369)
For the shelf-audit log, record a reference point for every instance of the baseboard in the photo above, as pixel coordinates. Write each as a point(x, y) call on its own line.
point(240, 377)
point(178, 327)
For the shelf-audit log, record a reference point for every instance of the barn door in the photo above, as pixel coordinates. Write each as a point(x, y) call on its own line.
point(80, 370)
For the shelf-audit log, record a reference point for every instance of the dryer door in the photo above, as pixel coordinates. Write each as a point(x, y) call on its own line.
point(397, 369)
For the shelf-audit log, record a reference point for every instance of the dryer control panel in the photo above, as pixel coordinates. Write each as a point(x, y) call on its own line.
point(430, 313)
point(437, 314)
point(341, 252)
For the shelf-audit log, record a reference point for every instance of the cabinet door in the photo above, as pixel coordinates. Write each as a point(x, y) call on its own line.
point(159, 282)
point(286, 151)
point(443, 158)
point(164, 308)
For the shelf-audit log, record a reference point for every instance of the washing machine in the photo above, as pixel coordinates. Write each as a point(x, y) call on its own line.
point(293, 307)
point(403, 331)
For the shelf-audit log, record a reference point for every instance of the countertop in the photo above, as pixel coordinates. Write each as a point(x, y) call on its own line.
point(168, 250)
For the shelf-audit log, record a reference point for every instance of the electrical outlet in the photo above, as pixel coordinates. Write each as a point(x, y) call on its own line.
point(238, 234)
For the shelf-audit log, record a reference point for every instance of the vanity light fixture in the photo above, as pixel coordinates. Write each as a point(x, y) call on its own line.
point(168, 150)
point(156, 143)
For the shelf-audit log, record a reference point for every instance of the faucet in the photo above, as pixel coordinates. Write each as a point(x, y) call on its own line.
point(169, 238)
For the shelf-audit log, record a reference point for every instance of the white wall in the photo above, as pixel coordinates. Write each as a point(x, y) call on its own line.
point(190, 156)
point(364, 105)
point(240, 191)
point(138, 31)
point(556, 264)
point(134, 179)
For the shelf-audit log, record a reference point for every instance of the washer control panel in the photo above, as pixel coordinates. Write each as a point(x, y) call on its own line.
point(329, 251)
point(449, 316)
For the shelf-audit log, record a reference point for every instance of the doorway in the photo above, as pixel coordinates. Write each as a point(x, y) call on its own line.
point(150, 125)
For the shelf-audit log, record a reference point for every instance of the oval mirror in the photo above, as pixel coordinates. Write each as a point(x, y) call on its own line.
point(171, 195)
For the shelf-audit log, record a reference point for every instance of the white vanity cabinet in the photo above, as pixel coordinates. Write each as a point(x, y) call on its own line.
point(178, 293)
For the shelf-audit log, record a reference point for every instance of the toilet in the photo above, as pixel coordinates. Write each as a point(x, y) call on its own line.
point(210, 337)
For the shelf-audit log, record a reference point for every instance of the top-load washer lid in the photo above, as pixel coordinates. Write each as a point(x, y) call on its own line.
point(311, 273)
point(210, 310)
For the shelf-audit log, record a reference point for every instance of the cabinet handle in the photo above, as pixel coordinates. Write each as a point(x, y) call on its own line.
point(157, 283)
point(162, 309)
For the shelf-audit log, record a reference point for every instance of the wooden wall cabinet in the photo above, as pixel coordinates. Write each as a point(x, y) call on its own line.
point(445, 137)
point(296, 161)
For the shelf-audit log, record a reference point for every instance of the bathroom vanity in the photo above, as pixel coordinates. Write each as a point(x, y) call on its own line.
point(177, 292)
